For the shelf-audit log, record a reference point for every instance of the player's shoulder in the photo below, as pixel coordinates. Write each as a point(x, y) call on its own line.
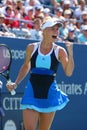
point(56, 46)
point(31, 47)
point(33, 44)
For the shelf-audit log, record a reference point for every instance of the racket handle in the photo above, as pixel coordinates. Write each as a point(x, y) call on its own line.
point(13, 92)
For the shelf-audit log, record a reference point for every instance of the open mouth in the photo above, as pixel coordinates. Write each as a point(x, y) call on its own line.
point(55, 37)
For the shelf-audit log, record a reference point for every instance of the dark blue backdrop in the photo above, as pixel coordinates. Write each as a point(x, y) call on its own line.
point(73, 116)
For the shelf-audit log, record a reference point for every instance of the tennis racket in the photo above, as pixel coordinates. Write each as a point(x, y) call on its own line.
point(5, 63)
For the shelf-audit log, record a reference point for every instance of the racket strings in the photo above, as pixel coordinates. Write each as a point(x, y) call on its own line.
point(5, 58)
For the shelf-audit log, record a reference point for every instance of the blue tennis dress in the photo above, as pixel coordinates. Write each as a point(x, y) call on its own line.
point(42, 93)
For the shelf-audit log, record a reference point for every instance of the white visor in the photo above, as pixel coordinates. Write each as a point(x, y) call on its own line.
point(51, 23)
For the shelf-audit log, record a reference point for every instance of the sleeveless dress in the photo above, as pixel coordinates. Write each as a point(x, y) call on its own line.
point(42, 93)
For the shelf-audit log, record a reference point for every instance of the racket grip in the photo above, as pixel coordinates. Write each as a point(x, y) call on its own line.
point(13, 92)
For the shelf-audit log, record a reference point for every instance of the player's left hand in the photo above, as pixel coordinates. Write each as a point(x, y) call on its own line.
point(69, 46)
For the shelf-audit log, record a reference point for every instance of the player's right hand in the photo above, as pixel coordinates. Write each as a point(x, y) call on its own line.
point(11, 86)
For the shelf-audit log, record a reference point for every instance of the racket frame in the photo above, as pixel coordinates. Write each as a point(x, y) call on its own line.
point(7, 74)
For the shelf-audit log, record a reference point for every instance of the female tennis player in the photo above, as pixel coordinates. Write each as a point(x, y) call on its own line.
point(42, 98)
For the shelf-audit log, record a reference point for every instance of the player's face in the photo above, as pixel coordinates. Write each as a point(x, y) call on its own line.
point(51, 33)
point(54, 31)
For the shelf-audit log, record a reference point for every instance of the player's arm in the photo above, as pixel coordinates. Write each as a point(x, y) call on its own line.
point(26, 66)
point(24, 69)
point(67, 59)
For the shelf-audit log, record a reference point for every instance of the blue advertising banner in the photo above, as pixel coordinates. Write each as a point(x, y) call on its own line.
point(73, 116)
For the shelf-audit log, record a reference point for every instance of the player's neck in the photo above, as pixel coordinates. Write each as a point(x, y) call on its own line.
point(46, 44)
